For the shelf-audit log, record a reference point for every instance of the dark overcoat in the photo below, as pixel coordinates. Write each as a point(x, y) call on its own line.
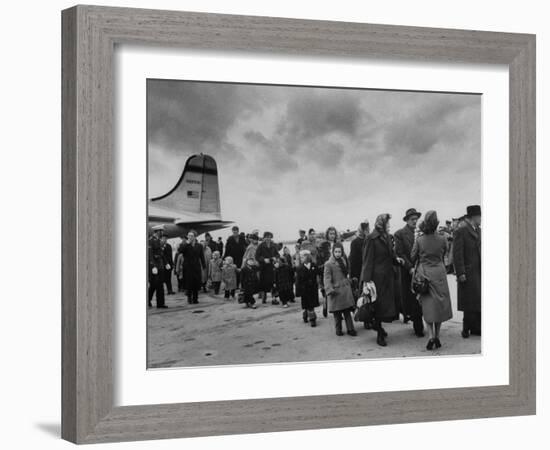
point(467, 261)
point(356, 257)
point(404, 241)
point(378, 262)
point(249, 280)
point(284, 281)
point(168, 255)
point(193, 265)
point(235, 247)
point(266, 269)
point(309, 288)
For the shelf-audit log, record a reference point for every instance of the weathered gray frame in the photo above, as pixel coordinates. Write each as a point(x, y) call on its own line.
point(89, 36)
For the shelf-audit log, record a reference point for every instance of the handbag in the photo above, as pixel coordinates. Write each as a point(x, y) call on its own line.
point(419, 283)
point(365, 309)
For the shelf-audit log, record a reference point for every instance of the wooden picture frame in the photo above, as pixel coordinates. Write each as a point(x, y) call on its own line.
point(89, 37)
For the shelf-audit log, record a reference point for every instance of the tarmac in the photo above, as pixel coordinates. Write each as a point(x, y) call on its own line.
point(222, 332)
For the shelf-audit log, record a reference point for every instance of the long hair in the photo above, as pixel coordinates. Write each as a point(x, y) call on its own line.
point(431, 222)
point(329, 229)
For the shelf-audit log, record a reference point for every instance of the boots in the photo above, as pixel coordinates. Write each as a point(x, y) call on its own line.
point(380, 339)
point(305, 315)
point(338, 323)
point(312, 317)
point(349, 323)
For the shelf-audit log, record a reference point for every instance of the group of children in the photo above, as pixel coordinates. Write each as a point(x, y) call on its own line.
point(225, 271)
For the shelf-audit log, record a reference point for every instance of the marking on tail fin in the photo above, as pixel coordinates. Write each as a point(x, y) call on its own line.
point(197, 189)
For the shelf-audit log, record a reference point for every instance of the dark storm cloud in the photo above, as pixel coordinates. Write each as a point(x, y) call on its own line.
point(420, 129)
point(195, 116)
point(275, 160)
point(313, 114)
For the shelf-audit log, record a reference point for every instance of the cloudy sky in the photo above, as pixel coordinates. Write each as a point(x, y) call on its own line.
point(300, 157)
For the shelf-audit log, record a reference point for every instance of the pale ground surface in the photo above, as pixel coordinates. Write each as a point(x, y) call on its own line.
point(217, 331)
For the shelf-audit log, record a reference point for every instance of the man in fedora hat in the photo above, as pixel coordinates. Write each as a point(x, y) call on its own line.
point(404, 240)
point(467, 262)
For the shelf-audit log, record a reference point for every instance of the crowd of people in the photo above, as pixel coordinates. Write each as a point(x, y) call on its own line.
point(385, 276)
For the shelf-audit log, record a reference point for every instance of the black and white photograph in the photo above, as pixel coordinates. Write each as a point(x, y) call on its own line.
point(295, 224)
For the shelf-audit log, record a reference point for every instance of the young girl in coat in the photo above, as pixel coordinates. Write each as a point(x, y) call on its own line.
point(215, 272)
point(338, 289)
point(284, 281)
point(249, 282)
point(229, 277)
point(306, 278)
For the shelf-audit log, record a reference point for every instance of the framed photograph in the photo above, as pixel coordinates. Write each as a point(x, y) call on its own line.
point(275, 224)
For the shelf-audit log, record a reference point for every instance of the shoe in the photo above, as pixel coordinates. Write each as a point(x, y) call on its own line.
point(465, 334)
point(313, 323)
point(437, 343)
point(292, 301)
point(275, 302)
point(253, 306)
point(339, 333)
point(325, 312)
point(285, 305)
point(380, 340)
point(367, 325)
point(162, 306)
point(430, 344)
point(352, 332)
point(305, 318)
point(149, 304)
point(420, 334)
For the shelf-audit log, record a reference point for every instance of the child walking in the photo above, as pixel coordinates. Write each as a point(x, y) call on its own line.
point(338, 288)
point(229, 277)
point(249, 282)
point(306, 277)
point(215, 272)
point(284, 281)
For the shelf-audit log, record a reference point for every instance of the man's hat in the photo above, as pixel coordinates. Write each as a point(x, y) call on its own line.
point(158, 228)
point(473, 210)
point(268, 234)
point(411, 212)
point(302, 231)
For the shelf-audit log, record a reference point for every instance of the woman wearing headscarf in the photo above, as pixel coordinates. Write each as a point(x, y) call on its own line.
point(378, 261)
point(338, 288)
point(429, 251)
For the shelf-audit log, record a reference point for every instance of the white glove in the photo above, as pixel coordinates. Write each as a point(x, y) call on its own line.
point(167, 266)
point(155, 270)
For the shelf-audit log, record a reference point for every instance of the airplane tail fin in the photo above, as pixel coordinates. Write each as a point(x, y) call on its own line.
point(197, 190)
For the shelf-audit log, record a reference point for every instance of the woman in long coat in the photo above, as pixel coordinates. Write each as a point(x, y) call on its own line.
point(193, 264)
point(306, 278)
point(378, 261)
point(265, 255)
point(429, 250)
point(338, 288)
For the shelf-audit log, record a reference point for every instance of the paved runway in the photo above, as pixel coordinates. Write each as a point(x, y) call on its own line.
point(217, 331)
